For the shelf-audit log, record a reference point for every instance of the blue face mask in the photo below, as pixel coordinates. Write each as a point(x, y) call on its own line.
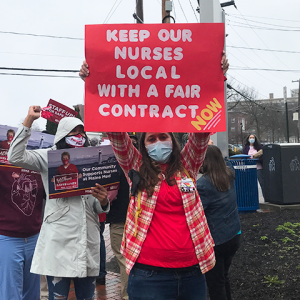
point(251, 141)
point(160, 151)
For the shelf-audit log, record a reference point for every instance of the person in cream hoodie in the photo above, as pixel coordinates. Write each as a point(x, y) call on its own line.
point(68, 246)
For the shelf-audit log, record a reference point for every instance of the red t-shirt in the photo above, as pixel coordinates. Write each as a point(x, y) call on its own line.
point(5, 145)
point(168, 243)
point(61, 170)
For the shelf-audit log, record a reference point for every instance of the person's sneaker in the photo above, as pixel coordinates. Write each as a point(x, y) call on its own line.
point(100, 280)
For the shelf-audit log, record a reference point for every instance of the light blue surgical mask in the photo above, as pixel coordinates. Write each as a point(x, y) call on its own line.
point(160, 151)
point(251, 141)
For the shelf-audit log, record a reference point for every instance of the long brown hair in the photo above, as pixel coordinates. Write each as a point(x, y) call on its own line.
point(150, 169)
point(215, 168)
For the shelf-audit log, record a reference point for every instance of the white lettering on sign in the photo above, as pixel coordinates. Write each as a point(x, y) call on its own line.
point(132, 35)
point(133, 72)
point(165, 35)
point(146, 53)
point(141, 110)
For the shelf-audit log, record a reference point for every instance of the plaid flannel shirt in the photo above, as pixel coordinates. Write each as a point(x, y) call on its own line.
point(192, 157)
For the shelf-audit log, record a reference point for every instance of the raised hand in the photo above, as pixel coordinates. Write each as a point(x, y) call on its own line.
point(34, 113)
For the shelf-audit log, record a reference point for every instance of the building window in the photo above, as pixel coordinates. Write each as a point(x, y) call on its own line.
point(232, 129)
point(233, 120)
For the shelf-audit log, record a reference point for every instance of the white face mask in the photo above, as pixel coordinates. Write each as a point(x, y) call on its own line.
point(251, 141)
point(75, 141)
point(160, 151)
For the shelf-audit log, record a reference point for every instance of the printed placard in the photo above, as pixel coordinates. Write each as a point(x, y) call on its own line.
point(37, 140)
point(72, 172)
point(3, 157)
point(66, 182)
point(155, 77)
point(56, 111)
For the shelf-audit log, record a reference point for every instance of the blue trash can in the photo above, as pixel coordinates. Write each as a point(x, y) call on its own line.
point(245, 182)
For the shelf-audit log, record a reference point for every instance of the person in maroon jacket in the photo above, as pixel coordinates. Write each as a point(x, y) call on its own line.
point(21, 202)
point(10, 136)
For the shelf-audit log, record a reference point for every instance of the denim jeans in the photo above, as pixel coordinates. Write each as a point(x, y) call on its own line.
point(217, 278)
point(166, 285)
point(16, 281)
point(59, 287)
point(102, 272)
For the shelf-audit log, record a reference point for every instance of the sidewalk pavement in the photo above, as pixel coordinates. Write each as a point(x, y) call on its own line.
point(112, 289)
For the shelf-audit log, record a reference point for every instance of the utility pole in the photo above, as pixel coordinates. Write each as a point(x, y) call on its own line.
point(286, 114)
point(166, 8)
point(298, 108)
point(211, 12)
point(139, 11)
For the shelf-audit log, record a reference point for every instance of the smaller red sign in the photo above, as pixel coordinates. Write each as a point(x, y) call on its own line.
point(66, 182)
point(55, 111)
point(3, 157)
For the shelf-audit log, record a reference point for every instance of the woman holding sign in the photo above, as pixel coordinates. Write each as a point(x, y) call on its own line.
point(167, 243)
point(69, 243)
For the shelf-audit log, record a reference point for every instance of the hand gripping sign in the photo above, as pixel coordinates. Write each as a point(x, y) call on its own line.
point(158, 77)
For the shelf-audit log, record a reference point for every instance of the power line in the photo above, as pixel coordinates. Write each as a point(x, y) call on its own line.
point(54, 55)
point(260, 69)
point(233, 78)
point(264, 42)
point(254, 63)
point(110, 11)
point(260, 49)
point(175, 15)
point(243, 25)
point(38, 75)
point(38, 70)
point(265, 18)
point(193, 11)
point(252, 50)
point(114, 11)
point(42, 35)
point(254, 102)
point(183, 11)
point(262, 22)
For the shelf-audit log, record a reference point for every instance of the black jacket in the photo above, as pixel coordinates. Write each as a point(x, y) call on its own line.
point(118, 207)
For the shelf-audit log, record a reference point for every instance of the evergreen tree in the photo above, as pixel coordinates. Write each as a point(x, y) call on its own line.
point(77, 110)
point(51, 127)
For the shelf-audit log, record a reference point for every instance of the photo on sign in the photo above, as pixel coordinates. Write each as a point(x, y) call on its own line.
point(37, 140)
point(72, 172)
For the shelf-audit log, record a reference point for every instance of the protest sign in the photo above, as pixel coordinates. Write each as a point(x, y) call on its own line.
point(37, 140)
point(55, 111)
point(66, 182)
point(72, 172)
point(3, 156)
point(155, 77)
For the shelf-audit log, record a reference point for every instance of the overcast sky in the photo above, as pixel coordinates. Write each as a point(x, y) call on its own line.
point(260, 24)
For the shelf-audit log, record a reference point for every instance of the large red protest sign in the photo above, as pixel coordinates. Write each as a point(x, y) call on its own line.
point(55, 111)
point(158, 77)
